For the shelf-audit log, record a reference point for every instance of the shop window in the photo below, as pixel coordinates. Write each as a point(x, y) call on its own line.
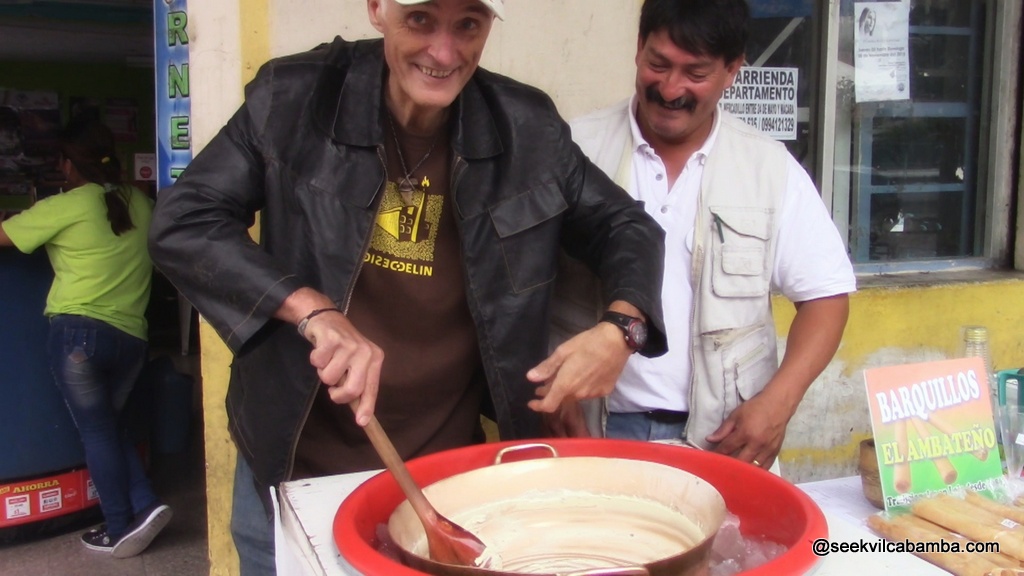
point(908, 128)
point(894, 105)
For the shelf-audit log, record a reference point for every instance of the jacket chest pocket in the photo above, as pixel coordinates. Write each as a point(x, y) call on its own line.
point(333, 210)
point(528, 231)
point(741, 239)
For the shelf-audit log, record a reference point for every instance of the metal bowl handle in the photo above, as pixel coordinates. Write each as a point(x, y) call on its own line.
point(519, 447)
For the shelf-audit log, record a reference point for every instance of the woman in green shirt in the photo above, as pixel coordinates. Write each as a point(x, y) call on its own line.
point(95, 237)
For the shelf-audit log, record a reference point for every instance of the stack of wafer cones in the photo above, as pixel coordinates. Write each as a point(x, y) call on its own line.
point(952, 519)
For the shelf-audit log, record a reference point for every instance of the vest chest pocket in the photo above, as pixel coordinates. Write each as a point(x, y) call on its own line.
point(740, 241)
point(528, 230)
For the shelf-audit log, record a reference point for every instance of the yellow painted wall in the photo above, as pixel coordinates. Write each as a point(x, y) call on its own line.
point(888, 326)
point(220, 452)
point(253, 20)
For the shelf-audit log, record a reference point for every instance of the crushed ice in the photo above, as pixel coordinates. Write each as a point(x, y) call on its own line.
point(732, 552)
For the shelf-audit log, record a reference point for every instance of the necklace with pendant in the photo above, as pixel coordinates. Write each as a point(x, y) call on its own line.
point(406, 187)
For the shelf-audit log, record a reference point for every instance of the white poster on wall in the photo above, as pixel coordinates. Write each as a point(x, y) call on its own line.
point(766, 99)
point(881, 56)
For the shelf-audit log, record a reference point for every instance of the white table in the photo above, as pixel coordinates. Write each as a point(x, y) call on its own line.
point(305, 541)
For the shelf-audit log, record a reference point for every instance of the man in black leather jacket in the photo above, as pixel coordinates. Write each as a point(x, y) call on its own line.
point(413, 207)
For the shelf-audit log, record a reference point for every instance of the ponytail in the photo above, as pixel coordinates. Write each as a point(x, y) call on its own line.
point(89, 145)
point(118, 199)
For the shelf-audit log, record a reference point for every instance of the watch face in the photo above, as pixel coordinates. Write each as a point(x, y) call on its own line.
point(637, 334)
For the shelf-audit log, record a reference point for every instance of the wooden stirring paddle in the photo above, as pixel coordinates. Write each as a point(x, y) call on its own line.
point(448, 542)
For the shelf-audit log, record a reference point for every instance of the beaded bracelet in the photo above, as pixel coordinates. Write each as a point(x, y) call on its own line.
point(302, 323)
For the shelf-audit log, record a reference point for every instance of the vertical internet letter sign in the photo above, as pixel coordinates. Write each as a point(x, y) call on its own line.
point(173, 109)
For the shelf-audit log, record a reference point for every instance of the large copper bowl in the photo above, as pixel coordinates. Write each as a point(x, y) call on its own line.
point(767, 505)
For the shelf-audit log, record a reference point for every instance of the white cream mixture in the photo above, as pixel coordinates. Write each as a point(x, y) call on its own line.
point(563, 531)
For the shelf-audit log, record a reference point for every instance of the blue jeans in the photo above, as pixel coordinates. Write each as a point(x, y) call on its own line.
point(252, 528)
point(637, 426)
point(95, 367)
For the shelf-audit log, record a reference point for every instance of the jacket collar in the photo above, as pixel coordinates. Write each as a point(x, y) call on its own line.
point(475, 135)
point(347, 106)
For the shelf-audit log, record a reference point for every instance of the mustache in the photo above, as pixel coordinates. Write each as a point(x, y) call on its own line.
point(653, 95)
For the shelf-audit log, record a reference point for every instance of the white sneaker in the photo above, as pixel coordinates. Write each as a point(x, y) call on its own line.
point(142, 531)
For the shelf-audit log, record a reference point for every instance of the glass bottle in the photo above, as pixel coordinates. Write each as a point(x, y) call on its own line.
point(976, 344)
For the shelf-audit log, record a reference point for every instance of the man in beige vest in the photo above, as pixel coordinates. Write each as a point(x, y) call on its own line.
point(741, 218)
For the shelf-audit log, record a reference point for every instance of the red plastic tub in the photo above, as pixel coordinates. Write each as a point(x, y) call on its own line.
point(767, 505)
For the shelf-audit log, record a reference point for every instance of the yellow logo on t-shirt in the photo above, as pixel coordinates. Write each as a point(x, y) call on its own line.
point(406, 231)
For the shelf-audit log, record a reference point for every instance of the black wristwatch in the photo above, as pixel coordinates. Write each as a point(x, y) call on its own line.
point(635, 329)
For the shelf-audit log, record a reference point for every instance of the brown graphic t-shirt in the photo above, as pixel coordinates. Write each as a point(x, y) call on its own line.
point(410, 300)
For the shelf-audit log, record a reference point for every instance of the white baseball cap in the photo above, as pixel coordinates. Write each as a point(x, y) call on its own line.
point(496, 6)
